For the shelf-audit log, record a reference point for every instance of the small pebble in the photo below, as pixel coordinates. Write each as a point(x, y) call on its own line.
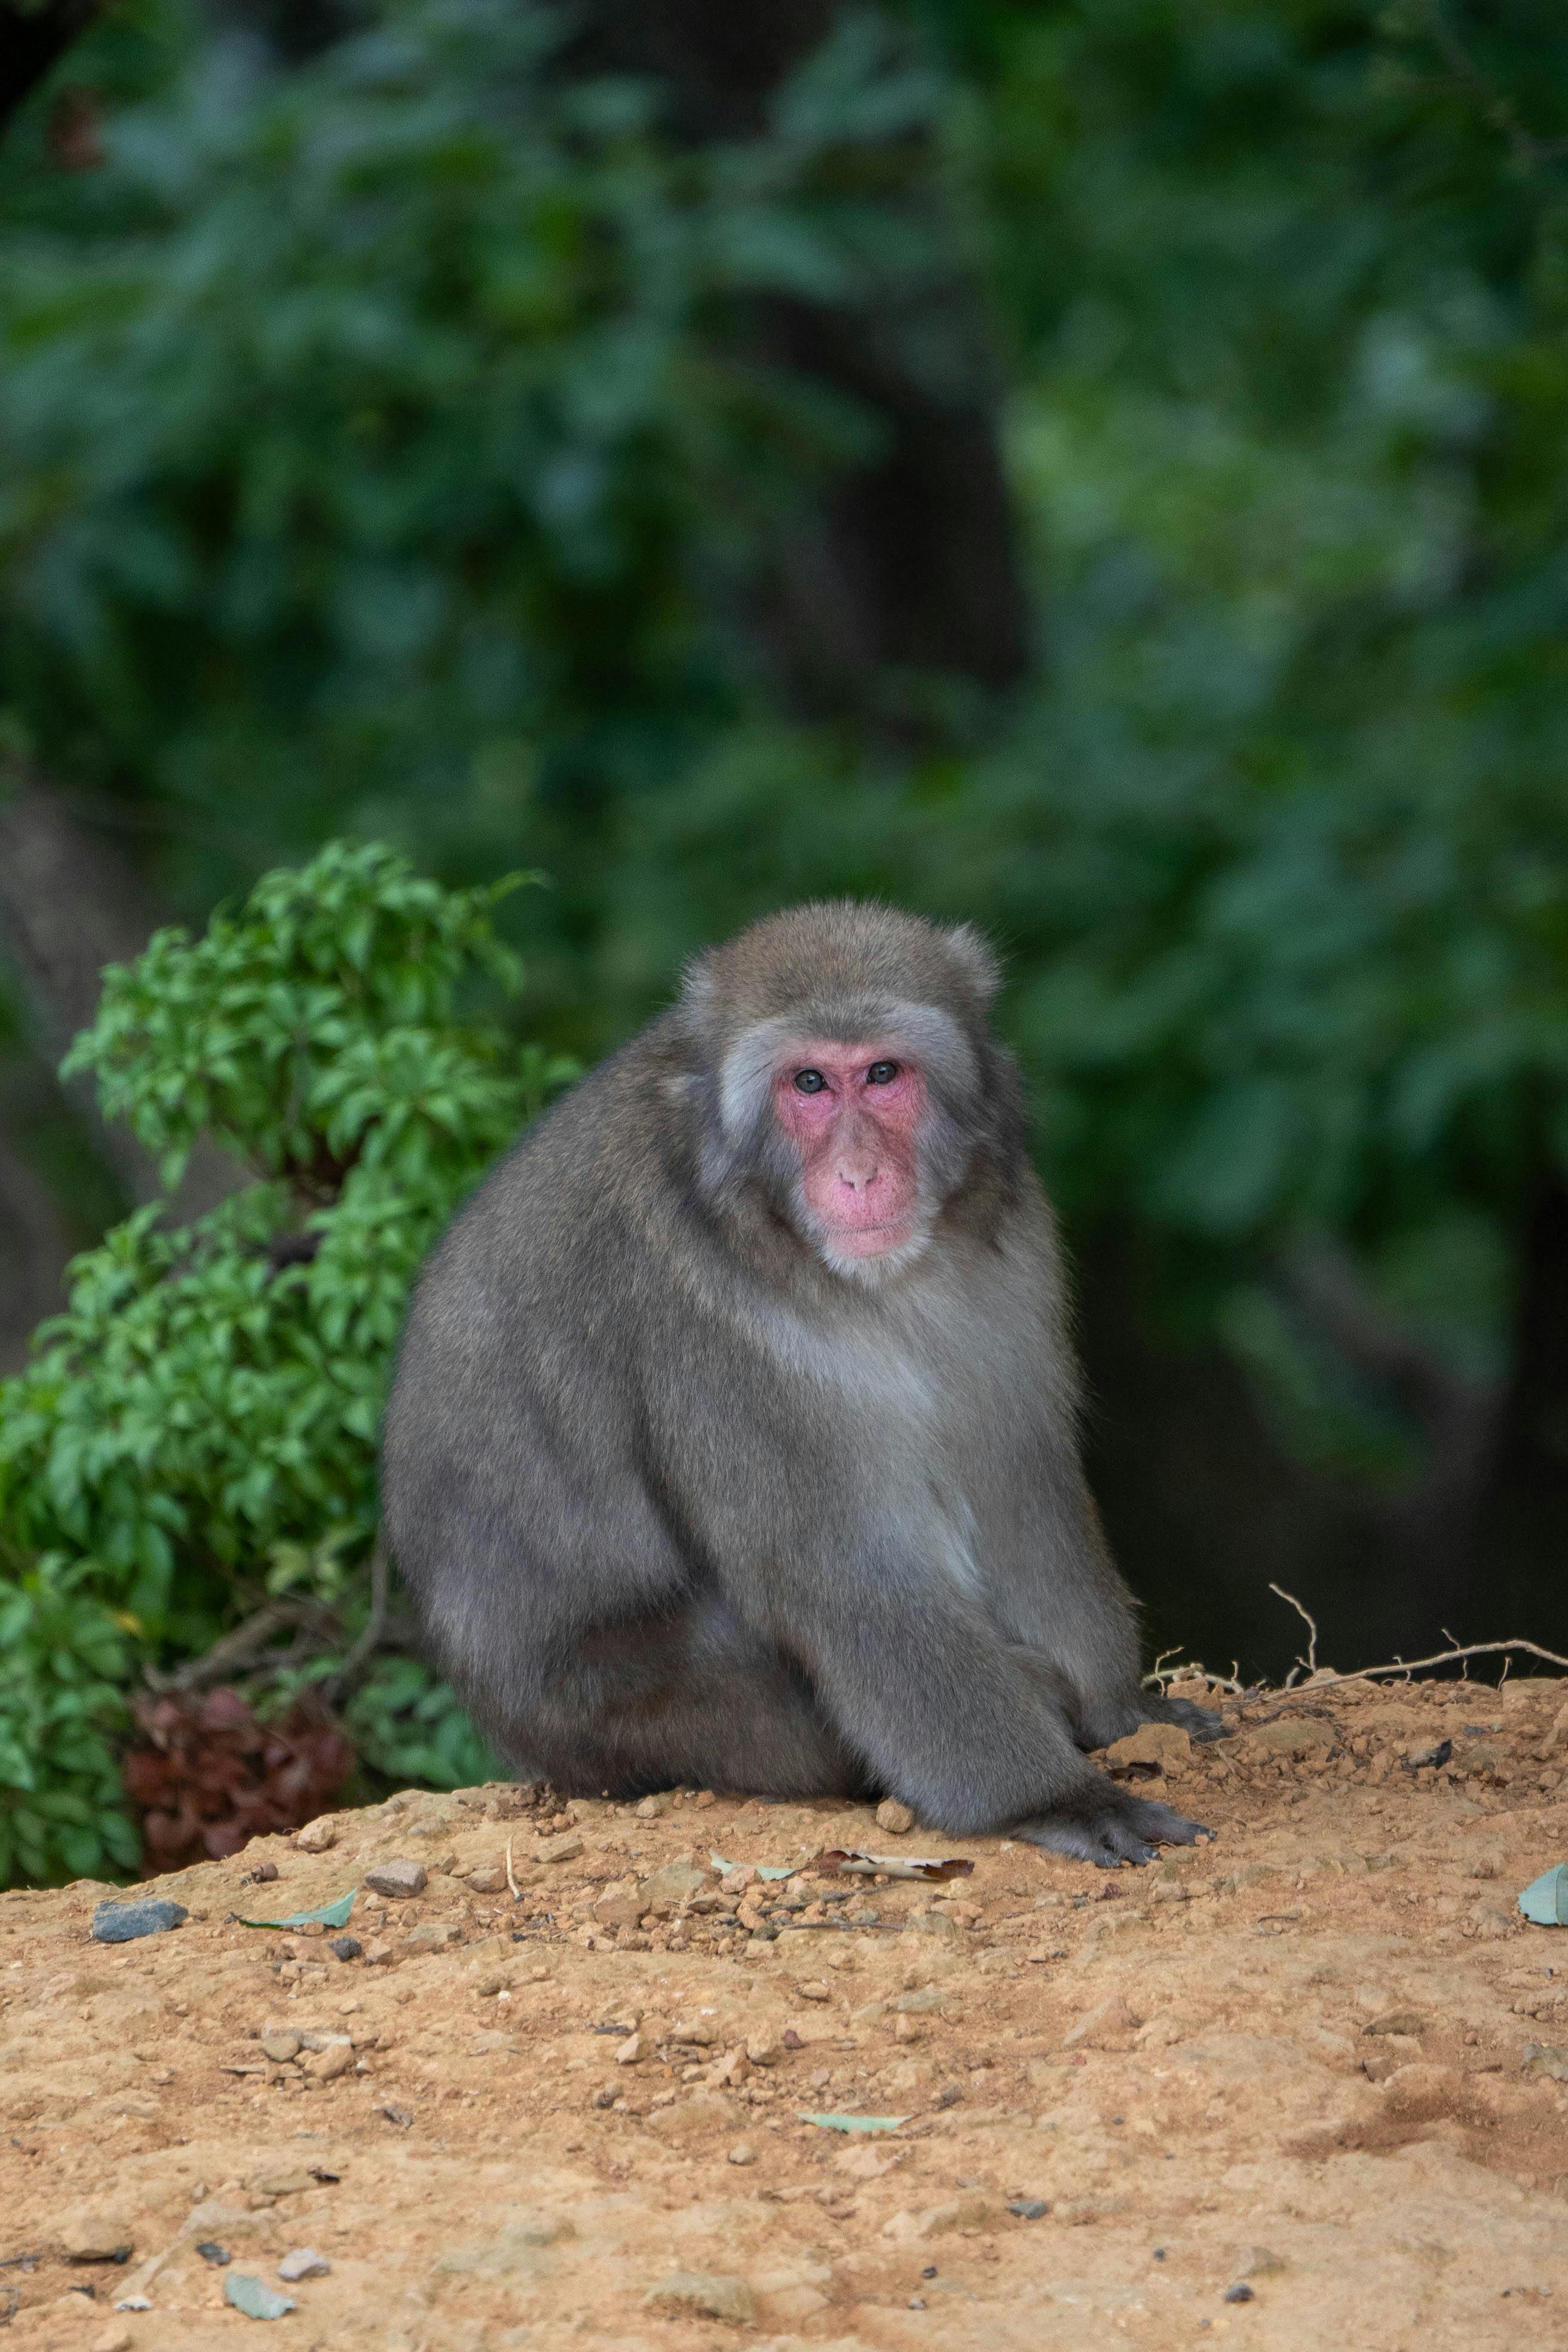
point(893, 1817)
point(1238, 2293)
point(123, 1923)
point(328, 2065)
point(303, 2263)
point(346, 1947)
point(211, 2252)
point(255, 2297)
point(703, 2294)
point(396, 1879)
point(1028, 2209)
point(90, 2233)
point(318, 1836)
point(742, 2153)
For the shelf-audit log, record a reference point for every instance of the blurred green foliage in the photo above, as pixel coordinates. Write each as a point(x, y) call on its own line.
point(63, 1665)
point(367, 446)
point(199, 1430)
point(383, 452)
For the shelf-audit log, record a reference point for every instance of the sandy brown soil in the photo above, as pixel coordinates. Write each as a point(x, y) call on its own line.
point(1293, 2064)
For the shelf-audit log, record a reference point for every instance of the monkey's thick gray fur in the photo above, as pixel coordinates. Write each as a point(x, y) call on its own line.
point(679, 1502)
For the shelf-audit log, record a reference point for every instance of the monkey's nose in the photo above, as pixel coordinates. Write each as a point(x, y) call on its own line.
point(860, 1175)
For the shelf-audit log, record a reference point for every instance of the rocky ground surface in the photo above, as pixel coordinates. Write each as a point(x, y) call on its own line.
point(1301, 2087)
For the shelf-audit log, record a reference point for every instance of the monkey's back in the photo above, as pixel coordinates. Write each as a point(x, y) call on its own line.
point(516, 1343)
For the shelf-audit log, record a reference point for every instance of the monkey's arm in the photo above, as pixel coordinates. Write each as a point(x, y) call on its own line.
point(965, 1727)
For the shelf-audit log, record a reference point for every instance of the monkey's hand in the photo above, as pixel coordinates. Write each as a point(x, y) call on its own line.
point(1098, 1822)
point(1197, 1722)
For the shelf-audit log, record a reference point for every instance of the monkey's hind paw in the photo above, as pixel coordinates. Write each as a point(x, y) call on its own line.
point(1110, 1828)
point(1197, 1722)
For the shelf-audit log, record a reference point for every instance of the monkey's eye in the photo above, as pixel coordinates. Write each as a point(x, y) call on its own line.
point(809, 1082)
point(881, 1073)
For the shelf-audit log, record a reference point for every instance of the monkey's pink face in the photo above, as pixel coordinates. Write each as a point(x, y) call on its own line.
point(854, 1113)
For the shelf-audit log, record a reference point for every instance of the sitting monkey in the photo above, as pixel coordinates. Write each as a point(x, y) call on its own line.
point(734, 1440)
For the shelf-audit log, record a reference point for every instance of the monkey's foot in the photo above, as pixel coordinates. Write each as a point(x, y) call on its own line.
point(1102, 1824)
point(1197, 1722)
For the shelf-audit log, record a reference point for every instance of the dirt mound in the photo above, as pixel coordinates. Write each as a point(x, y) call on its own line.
point(1301, 2088)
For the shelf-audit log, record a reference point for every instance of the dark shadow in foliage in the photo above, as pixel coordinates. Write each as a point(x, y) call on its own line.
point(907, 562)
point(32, 40)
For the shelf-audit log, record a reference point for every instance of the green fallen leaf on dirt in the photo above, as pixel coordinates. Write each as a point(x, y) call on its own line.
point(255, 2297)
point(855, 2123)
point(764, 1869)
point(1545, 1899)
point(331, 1915)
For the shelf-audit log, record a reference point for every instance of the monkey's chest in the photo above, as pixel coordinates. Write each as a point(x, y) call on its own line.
point(941, 1451)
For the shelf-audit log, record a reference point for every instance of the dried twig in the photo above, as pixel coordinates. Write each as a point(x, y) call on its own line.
point(1311, 1660)
point(244, 1644)
point(1161, 1675)
point(1442, 1658)
point(511, 1875)
point(1528, 149)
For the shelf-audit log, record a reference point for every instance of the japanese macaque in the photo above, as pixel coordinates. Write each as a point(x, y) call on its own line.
point(734, 1436)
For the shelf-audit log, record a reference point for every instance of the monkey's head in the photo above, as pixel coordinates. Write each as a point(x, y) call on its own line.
point(844, 1066)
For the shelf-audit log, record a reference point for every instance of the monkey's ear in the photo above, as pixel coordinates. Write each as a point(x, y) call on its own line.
point(977, 958)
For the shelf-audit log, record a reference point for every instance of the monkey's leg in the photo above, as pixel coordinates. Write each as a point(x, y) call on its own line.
point(967, 1728)
point(1099, 1721)
point(690, 1699)
point(1076, 1619)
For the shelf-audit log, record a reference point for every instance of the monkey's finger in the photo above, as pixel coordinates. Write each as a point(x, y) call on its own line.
point(1158, 1821)
point(1107, 1839)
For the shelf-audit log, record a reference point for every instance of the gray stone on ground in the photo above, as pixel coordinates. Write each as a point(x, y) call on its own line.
point(149, 1914)
point(703, 2294)
point(255, 2297)
point(397, 1878)
point(303, 2263)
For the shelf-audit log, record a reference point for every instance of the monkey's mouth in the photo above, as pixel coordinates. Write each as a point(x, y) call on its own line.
point(871, 1240)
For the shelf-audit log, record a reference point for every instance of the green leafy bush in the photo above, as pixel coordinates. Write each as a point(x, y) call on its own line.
point(405, 1725)
point(196, 1435)
point(62, 1665)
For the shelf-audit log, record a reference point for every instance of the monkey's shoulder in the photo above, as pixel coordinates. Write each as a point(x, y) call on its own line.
point(565, 1225)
